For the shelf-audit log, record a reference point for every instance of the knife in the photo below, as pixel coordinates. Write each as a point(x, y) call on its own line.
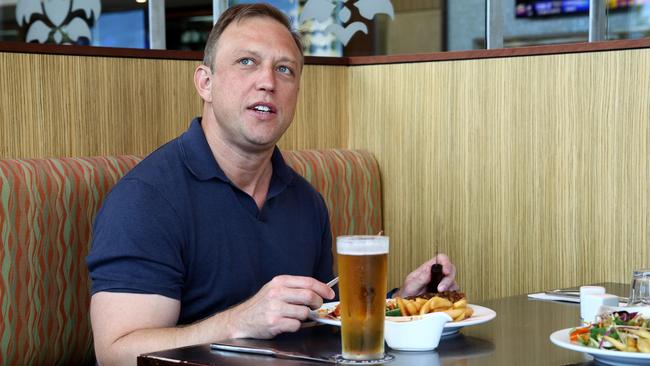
point(567, 293)
point(269, 352)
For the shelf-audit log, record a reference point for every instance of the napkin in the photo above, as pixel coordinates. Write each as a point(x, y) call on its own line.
point(554, 297)
point(570, 297)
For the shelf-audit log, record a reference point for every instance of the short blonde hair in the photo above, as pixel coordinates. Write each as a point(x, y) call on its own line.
point(238, 13)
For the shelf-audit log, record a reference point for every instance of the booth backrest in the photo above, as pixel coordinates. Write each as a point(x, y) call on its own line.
point(47, 207)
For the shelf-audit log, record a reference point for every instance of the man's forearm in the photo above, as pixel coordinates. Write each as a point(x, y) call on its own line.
point(126, 349)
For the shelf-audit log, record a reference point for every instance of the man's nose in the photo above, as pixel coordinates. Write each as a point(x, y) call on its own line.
point(266, 79)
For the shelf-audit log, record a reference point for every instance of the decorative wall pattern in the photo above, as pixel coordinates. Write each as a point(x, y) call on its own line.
point(344, 28)
point(57, 21)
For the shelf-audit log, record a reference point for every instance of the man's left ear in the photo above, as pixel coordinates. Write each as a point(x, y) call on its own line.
point(203, 82)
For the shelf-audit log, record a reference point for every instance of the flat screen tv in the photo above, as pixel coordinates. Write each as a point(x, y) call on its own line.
point(546, 8)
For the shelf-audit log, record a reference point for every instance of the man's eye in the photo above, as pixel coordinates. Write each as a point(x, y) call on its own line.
point(246, 61)
point(285, 70)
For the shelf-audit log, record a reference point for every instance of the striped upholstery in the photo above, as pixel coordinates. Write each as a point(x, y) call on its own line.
point(349, 182)
point(46, 211)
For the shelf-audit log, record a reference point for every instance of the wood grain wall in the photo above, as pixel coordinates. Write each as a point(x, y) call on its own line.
point(531, 172)
point(56, 105)
point(321, 119)
point(53, 105)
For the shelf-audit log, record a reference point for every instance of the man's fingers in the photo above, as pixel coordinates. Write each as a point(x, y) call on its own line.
point(444, 260)
point(441, 259)
point(426, 266)
point(302, 297)
point(279, 306)
point(423, 273)
point(302, 282)
point(419, 278)
point(293, 281)
point(291, 311)
point(447, 284)
point(449, 271)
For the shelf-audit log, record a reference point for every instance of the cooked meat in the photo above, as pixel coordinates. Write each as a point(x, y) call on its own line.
point(452, 296)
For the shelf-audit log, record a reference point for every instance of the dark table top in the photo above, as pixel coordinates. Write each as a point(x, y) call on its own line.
point(519, 335)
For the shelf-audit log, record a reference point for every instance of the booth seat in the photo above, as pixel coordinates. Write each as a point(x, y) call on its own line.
point(47, 207)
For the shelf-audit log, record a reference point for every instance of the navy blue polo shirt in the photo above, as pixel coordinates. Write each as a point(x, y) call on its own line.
point(176, 226)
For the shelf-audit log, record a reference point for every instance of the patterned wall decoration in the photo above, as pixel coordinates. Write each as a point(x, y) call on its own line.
point(57, 21)
point(324, 22)
point(344, 28)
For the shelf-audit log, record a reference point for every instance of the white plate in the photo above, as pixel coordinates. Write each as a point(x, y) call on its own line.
point(607, 357)
point(481, 315)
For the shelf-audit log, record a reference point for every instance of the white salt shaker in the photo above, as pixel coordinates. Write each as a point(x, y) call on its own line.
point(584, 291)
point(592, 305)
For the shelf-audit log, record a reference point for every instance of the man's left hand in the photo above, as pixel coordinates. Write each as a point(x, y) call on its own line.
point(416, 282)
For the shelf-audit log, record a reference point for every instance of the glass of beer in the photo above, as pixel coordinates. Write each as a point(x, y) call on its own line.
point(363, 271)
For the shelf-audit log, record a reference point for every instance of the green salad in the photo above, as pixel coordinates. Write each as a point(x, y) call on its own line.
point(618, 331)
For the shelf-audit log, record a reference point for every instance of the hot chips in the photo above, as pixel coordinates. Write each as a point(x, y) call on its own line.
point(416, 306)
point(419, 306)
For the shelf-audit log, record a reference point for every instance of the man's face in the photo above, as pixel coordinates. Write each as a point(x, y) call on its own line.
point(255, 82)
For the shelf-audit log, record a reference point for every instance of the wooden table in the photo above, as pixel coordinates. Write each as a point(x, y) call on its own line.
point(519, 335)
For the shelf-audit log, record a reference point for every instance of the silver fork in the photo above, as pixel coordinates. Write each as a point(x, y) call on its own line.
point(333, 282)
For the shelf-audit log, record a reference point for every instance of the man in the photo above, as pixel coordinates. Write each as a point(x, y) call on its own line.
point(213, 236)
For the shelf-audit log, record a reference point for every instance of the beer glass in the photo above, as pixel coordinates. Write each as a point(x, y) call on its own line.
point(363, 269)
point(640, 288)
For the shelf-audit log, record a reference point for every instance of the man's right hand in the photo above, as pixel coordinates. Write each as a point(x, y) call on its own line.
point(278, 307)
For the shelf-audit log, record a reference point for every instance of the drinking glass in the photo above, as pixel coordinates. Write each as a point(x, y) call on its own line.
point(363, 269)
point(640, 288)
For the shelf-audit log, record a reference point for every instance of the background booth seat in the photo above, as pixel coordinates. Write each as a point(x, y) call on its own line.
point(47, 207)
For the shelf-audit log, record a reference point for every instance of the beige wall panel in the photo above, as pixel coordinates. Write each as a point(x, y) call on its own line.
point(530, 172)
point(69, 106)
point(54, 105)
point(321, 119)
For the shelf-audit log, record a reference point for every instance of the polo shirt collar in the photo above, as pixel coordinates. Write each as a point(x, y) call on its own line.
point(198, 158)
point(197, 155)
point(280, 168)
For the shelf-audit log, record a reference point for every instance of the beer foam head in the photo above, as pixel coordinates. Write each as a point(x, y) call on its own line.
point(362, 245)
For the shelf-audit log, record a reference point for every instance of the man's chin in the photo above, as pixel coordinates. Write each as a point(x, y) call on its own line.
point(262, 138)
point(264, 141)
point(260, 145)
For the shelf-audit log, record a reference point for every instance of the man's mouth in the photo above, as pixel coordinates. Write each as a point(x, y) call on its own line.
point(262, 108)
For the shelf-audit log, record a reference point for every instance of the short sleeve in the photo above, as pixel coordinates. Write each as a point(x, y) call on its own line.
point(137, 243)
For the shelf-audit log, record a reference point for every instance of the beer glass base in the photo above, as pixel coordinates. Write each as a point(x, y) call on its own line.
point(346, 361)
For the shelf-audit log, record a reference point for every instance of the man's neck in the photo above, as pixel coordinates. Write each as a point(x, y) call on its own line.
point(249, 171)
